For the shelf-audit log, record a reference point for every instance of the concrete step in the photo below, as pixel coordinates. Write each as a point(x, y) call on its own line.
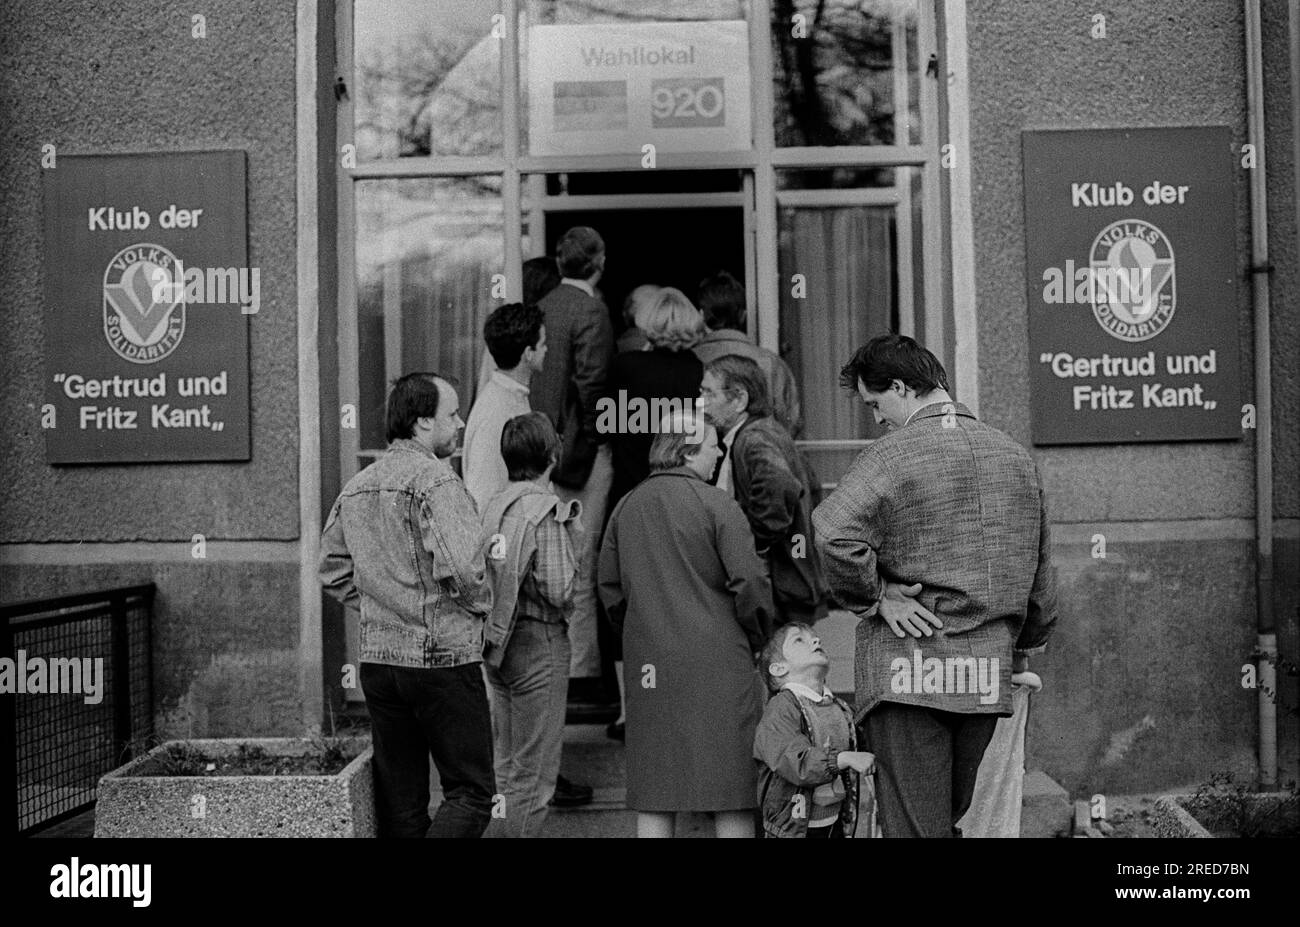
point(591, 758)
point(1045, 809)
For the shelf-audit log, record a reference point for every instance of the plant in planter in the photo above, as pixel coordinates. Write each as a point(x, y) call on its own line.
point(1226, 808)
point(242, 787)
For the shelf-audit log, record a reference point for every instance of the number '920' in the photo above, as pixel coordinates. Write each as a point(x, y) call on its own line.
point(686, 101)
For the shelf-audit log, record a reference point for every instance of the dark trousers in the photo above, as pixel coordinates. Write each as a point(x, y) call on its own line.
point(418, 713)
point(788, 612)
point(926, 761)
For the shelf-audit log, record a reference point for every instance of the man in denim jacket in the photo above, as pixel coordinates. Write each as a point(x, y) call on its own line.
point(403, 545)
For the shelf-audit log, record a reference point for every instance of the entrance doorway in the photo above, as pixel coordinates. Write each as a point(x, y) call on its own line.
point(675, 247)
point(665, 245)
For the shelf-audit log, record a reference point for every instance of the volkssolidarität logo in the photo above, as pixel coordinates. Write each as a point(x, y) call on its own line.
point(1133, 272)
point(140, 328)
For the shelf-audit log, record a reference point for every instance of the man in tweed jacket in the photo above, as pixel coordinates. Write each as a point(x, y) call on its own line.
point(937, 536)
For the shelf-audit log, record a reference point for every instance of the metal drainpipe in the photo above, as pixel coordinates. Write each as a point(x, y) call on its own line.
point(1266, 633)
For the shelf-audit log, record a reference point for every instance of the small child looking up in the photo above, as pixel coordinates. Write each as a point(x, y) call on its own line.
point(805, 745)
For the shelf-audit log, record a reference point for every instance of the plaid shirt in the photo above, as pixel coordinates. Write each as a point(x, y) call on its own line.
point(547, 592)
point(953, 504)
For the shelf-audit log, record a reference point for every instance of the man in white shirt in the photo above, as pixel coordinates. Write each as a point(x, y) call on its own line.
point(516, 339)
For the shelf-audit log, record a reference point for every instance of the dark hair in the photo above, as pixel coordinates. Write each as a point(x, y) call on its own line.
point(577, 251)
point(510, 330)
point(887, 358)
point(721, 297)
point(411, 397)
point(738, 372)
point(529, 445)
point(774, 651)
point(540, 277)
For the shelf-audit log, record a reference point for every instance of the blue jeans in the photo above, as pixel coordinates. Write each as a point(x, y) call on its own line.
point(529, 695)
point(418, 713)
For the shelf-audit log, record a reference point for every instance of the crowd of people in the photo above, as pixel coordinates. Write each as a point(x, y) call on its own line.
point(693, 535)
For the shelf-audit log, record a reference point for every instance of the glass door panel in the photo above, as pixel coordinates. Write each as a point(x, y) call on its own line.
point(849, 256)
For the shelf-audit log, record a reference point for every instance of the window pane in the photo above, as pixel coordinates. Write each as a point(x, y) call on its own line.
point(426, 253)
point(859, 256)
point(604, 90)
point(427, 78)
point(842, 69)
point(846, 256)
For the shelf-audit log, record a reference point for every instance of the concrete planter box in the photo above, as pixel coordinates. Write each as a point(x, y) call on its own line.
point(1172, 818)
point(135, 802)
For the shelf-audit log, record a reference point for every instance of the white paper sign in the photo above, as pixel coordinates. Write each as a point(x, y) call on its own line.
point(612, 88)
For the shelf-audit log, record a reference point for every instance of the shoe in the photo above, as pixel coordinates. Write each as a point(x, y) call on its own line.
point(570, 794)
point(616, 731)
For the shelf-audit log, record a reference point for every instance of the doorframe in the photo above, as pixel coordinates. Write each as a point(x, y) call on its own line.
point(962, 233)
point(536, 207)
point(328, 341)
point(311, 631)
point(762, 161)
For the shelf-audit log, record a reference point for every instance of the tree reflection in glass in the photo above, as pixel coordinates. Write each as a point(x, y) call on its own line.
point(833, 64)
point(427, 78)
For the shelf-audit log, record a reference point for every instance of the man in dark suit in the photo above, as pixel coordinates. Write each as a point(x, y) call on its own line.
point(765, 473)
point(580, 341)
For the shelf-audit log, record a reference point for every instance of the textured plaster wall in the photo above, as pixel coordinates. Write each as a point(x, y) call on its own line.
point(105, 77)
point(225, 635)
point(1143, 676)
point(101, 77)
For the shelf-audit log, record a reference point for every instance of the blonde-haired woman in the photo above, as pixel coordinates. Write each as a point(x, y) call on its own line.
point(665, 369)
point(669, 320)
point(681, 581)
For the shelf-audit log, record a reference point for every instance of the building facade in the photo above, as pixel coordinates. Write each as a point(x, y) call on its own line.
point(860, 166)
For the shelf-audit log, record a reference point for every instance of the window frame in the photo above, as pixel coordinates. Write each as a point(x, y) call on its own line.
point(760, 164)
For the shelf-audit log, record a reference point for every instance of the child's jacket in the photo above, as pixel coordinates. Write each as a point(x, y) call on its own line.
point(791, 766)
point(510, 524)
